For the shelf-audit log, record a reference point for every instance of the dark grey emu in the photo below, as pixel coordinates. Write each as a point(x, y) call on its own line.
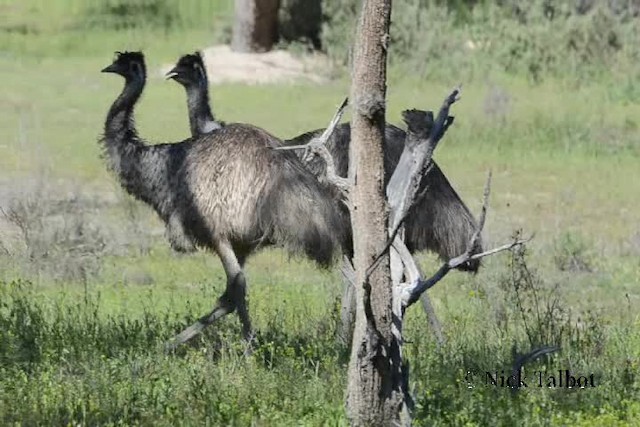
point(440, 222)
point(227, 191)
point(190, 72)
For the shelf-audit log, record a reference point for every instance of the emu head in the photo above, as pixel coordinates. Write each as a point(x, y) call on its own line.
point(189, 71)
point(129, 65)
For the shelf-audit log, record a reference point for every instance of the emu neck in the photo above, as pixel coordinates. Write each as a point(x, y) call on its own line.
point(201, 119)
point(139, 168)
point(119, 124)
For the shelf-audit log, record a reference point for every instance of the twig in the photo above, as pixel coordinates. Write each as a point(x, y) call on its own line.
point(420, 286)
point(493, 251)
point(384, 250)
point(483, 214)
point(444, 121)
point(318, 145)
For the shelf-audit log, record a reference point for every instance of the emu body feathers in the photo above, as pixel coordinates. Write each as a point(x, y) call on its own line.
point(227, 191)
point(439, 222)
point(227, 184)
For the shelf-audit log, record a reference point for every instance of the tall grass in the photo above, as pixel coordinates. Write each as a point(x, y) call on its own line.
point(69, 359)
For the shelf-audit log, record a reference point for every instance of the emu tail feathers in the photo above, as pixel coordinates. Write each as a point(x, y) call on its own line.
point(441, 222)
point(304, 216)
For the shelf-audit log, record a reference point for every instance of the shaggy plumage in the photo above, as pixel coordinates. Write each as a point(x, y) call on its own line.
point(228, 191)
point(191, 73)
point(440, 223)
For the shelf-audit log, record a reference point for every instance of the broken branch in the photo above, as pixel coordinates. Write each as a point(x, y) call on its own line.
point(419, 286)
point(318, 146)
point(423, 136)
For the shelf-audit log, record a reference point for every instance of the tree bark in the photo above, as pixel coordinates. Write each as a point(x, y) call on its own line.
point(255, 26)
point(374, 395)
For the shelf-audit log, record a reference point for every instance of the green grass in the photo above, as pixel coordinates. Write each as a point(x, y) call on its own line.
point(565, 167)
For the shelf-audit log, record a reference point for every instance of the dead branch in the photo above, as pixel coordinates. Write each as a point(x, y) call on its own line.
point(412, 292)
point(433, 320)
point(422, 139)
point(414, 163)
point(318, 146)
point(396, 230)
point(387, 246)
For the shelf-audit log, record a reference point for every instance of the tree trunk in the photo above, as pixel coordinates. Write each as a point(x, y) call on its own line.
point(255, 26)
point(374, 395)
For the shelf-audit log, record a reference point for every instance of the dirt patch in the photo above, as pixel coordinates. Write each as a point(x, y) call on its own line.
point(277, 66)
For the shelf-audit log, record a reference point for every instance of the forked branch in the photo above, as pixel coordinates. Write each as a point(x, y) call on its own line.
point(422, 139)
point(415, 162)
point(318, 145)
point(412, 293)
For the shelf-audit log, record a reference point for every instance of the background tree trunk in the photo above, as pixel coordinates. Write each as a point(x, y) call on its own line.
point(301, 21)
point(373, 396)
point(255, 26)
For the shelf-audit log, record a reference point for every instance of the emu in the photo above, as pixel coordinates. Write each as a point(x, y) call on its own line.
point(440, 222)
point(190, 72)
point(227, 191)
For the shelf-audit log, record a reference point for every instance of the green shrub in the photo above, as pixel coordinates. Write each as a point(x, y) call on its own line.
point(460, 39)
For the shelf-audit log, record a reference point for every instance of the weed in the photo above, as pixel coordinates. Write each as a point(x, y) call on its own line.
point(57, 238)
point(572, 253)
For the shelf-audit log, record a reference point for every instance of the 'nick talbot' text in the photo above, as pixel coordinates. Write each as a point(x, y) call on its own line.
point(562, 378)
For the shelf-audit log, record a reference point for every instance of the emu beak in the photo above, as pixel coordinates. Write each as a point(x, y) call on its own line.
point(171, 74)
point(110, 69)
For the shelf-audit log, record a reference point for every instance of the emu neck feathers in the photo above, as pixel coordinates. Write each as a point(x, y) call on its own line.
point(201, 119)
point(141, 170)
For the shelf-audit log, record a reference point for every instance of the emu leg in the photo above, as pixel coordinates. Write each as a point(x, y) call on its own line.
point(436, 327)
point(240, 299)
point(347, 314)
point(223, 307)
point(348, 309)
point(234, 297)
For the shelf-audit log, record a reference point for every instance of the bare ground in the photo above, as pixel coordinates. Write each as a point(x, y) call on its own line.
point(275, 67)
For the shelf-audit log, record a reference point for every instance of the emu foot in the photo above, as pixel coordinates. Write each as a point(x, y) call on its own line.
point(250, 343)
point(221, 309)
point(184, 336)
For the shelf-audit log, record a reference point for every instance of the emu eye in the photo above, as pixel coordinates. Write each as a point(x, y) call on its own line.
point(136, 68)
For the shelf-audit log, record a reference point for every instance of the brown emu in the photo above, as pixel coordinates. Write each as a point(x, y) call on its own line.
point(441, 222)
point(227, 191)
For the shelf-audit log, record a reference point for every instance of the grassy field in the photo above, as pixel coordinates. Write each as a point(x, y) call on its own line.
point(89, 289)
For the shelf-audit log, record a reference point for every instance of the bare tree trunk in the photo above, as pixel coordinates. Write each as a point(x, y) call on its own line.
point(374, 395)
point(255, 26)
point(387, 278)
